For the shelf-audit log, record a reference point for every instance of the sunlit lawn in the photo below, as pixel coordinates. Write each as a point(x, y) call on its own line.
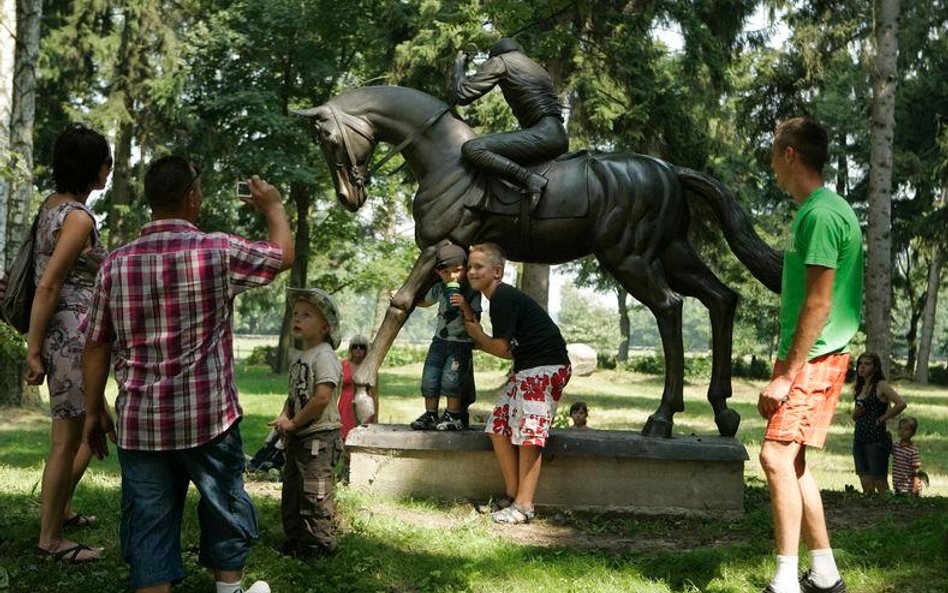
point(385, 548)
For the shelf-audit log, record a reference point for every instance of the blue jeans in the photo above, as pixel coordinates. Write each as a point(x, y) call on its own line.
point(154, 488)
point(449, 370)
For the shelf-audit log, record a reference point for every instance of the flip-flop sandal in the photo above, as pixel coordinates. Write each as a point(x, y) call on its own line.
point(80, 520)
point(68, 555)
point(493, 505)
point(513, 515)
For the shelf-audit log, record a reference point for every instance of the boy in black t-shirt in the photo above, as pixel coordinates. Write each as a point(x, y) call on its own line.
point(520, 423)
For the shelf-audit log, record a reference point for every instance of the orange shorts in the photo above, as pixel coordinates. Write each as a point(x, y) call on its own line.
point(806, 415)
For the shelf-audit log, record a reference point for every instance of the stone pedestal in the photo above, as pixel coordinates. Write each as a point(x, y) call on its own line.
point(582, 469)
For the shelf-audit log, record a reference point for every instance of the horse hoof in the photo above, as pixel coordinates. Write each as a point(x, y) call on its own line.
point(727, 420)
point(657, 427)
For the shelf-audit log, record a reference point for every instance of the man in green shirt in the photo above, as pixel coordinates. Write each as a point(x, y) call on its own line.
point(819, 314)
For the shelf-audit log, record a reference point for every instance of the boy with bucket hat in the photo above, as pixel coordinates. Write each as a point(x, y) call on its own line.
point(310, 425)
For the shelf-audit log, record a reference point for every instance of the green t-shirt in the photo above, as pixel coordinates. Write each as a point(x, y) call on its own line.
point(824, 233)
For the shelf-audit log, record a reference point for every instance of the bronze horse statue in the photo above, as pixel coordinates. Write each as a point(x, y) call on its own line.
point(628, 210)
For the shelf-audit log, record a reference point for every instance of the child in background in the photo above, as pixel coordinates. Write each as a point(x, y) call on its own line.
point(579, 412)
point(449, 366)
point(906, 462)
point(310, 426)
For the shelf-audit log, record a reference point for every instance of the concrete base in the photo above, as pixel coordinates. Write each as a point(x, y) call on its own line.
point(582, 469)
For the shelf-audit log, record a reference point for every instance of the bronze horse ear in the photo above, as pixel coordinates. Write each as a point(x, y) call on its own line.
point(319, 115)
point(312, 112)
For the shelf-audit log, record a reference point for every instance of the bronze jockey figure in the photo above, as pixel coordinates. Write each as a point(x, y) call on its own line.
point(528, 89)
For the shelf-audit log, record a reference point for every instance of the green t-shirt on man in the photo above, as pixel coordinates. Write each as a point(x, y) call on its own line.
point(825, 232)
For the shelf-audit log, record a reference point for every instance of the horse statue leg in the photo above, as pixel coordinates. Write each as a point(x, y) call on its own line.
point(645, 280)
point(401, 306)
point(688, 275)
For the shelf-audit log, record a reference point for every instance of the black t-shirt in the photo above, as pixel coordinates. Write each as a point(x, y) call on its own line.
point(534, 339)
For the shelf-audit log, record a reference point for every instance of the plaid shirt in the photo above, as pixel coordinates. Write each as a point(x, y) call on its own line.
point(165, 303)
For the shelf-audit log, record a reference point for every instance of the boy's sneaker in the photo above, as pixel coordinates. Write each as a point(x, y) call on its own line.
point(451, 421)
point(465, 420)
point(427, 421)
point(258, 587)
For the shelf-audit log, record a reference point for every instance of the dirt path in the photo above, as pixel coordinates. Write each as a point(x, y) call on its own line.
point(638, 532)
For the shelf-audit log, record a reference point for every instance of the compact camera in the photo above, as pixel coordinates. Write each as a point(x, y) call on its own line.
point(243, 189)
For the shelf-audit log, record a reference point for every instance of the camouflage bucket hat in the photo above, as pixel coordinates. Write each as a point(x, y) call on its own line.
point(326, 306)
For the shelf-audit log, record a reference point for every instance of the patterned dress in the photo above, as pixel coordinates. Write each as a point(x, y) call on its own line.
point(63, 344)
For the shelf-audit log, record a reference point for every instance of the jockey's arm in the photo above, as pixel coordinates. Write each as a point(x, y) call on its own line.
point(470, 88)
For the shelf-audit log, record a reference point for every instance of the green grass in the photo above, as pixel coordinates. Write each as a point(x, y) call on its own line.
point(413, 546)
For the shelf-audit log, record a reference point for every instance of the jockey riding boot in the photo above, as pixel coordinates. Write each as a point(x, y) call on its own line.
point(535, 186)
point(532, 183)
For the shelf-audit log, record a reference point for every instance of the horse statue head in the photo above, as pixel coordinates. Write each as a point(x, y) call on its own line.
point(347, 142)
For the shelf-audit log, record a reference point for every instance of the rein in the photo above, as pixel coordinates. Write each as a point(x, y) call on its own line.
point(354, 171)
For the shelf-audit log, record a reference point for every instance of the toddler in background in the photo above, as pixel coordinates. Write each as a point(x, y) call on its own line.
point(906, 462)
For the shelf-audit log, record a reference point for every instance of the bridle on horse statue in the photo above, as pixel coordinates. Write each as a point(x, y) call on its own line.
point(355, 173)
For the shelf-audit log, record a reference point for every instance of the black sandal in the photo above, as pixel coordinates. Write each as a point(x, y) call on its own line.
point(68, 555)
point(80, 520)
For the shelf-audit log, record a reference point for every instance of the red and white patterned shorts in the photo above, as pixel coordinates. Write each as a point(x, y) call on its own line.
point(806, 415)
point(527, 404)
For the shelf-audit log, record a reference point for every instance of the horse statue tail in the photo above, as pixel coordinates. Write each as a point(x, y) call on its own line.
point(764, 262)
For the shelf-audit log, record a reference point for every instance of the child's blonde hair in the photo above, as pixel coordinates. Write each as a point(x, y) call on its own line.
point(494, 252)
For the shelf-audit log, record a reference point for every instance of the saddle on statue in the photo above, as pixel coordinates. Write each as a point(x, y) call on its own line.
point(558, 199)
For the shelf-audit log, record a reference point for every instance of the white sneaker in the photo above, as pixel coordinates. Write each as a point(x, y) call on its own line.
point(258, 587)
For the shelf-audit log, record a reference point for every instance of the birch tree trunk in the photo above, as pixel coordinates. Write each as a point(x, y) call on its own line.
point(928, 320)
point(878, 277)
point(7, 51)
point(20, 201)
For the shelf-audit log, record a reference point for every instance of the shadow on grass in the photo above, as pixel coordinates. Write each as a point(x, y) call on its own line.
point(689, 554)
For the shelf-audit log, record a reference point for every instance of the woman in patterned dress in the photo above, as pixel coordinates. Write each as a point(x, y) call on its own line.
point(68, 252)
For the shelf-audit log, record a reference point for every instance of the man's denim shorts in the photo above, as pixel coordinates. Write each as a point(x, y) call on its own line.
point(449, 370)
point(154, 487)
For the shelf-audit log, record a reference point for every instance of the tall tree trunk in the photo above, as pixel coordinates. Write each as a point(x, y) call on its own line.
point(19, 205)
point(911, 336)
point(302, 197)
point(842, 166)
point(120, 192)
point(928, 320)
point(535, 281)
point(383, 298)
point(878, 279)
point(625, 325)
point(7, 52)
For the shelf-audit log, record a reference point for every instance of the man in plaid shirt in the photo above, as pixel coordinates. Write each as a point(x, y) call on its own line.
point(162, 312)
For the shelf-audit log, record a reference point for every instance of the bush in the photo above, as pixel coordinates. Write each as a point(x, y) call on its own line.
point(13, 389)
point(757, 368)
point(938, 375)
point(606, 361)
point(262, 355)
point(699, 367)
point(404, 354)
